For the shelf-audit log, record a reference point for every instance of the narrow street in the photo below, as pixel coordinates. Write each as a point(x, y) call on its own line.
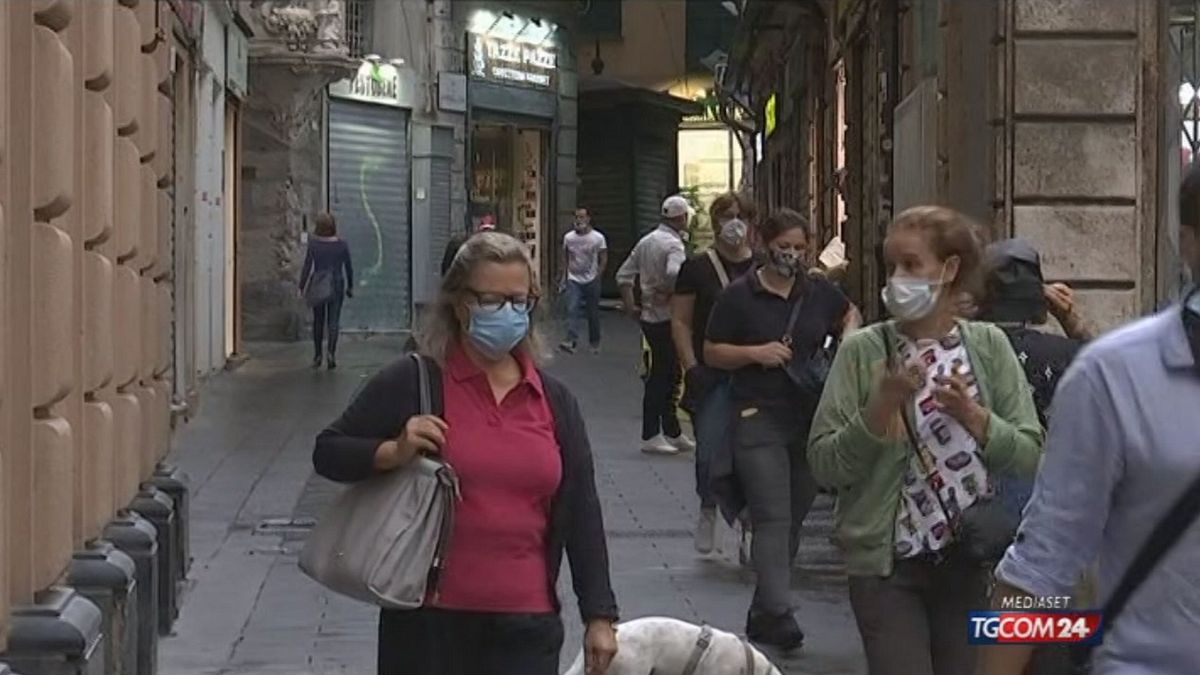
point(249, 610)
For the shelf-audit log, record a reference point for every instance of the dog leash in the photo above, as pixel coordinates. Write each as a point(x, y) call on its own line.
point(703, 642)
point(749, 657)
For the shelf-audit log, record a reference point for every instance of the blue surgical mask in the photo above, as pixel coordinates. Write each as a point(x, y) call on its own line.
point(496, 332)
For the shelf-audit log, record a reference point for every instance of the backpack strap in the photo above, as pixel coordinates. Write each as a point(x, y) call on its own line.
point(718, 266)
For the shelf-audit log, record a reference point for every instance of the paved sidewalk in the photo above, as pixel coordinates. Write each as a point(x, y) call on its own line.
point(250, 611)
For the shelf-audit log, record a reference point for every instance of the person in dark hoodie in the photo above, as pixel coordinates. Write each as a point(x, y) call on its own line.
point(1017, 299)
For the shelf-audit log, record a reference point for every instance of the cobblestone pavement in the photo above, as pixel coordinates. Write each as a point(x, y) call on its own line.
point(250, 611)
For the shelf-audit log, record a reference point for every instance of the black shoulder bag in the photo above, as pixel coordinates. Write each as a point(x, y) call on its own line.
point(984, 529)
point(809, 374)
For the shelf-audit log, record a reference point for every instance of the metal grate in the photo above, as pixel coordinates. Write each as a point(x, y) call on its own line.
point(358, 27)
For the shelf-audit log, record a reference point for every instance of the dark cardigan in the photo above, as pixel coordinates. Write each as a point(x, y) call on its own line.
point(345, 452)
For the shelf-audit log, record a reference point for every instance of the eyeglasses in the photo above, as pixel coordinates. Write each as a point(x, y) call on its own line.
point(494, 302)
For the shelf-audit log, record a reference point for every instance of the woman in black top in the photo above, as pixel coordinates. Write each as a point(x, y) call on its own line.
point(751, 333)
point(327, 257)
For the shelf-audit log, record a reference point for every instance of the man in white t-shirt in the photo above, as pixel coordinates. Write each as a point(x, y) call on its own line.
point(584, 257)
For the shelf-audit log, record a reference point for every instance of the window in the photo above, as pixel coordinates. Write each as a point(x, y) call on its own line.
point(358, 26)
point(602, 20)
point(710, 27)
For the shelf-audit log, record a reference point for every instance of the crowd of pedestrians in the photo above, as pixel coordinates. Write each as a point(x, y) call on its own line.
point(929, 427)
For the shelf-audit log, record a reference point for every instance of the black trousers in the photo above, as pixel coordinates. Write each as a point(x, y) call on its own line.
point(662, 382)
point(327, 318)
point(447, 642)
point(913, 622)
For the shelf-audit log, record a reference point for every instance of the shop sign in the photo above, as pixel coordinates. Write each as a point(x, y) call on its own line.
point(769, 115)
point(510, 61)
point(374, 83)
point(512, 49)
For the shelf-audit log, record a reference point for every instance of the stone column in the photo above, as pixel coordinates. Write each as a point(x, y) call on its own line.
point(298, 49)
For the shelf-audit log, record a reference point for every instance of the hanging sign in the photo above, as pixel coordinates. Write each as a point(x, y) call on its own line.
point(769, 114)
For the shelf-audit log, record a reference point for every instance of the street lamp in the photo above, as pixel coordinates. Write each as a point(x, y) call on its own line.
point(732, 7)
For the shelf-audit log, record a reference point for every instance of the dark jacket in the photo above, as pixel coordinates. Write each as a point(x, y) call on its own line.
point(328, 255)
point(345, 452)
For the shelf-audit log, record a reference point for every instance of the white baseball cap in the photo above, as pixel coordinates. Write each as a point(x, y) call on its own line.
point(675, 206)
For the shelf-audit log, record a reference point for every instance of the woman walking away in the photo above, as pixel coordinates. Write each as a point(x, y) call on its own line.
point(323, 284)
point(517, 441)
point(955, 388)
point(764, 328)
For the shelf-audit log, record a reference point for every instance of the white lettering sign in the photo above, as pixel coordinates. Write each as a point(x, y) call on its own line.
point(513, 62)
point(378, 84)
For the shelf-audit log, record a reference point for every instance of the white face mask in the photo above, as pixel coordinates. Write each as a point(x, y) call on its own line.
point(911, 298)
point(733, 232)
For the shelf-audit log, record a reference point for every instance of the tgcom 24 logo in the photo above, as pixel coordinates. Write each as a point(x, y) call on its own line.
point(1017, 627)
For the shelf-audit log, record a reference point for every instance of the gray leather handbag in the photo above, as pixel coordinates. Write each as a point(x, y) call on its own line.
point(384, 540)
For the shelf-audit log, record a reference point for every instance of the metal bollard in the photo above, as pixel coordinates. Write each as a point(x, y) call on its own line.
point(137, 538)
point(157, 507)
point(58, 635)
point(173, 481)
point(108, 577)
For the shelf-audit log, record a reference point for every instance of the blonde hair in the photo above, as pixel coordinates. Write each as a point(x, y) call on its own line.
point(440, 329)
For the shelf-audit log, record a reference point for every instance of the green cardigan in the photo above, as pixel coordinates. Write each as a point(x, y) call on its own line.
point(867, 470)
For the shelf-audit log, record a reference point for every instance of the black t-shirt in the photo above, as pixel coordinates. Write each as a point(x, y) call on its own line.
point(1045, 358)
point(698, 277)
point(747, 314)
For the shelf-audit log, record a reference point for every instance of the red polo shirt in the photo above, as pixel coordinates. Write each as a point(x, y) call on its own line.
point(508, 463)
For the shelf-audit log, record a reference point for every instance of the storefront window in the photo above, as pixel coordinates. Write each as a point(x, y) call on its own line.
point(710, 162)
point(509, 184)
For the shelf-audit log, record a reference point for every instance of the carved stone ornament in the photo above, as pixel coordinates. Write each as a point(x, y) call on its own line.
point(300, 26)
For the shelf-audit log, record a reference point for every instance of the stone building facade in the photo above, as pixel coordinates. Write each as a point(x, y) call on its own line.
point(1039, 118)
point(85, 179)
point(111, 191)
point(316, 111)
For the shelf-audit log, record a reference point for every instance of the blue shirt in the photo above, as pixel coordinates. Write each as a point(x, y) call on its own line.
point(328, 254)
point(1123, 445)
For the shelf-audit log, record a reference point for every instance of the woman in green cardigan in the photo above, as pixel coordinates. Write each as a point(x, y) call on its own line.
point(967, 401)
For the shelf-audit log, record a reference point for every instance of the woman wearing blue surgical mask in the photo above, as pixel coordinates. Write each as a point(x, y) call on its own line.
point(516, 439)
point(764, 326)
point(957, 388)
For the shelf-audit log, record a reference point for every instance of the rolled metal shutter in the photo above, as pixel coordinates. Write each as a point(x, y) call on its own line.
point(369, 183)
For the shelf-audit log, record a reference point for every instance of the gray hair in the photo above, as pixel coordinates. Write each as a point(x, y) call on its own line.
point(440, 328)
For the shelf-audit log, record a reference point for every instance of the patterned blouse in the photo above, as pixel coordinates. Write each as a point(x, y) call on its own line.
point(948, 474)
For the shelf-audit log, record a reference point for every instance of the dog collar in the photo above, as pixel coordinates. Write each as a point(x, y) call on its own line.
point(702, 644)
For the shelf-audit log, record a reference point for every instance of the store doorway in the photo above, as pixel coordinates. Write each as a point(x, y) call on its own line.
point(508, 185)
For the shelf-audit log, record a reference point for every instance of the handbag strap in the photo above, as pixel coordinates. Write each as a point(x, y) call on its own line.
point(914, 441)
point(425, 397)
point(718, 267)
point(429, 386)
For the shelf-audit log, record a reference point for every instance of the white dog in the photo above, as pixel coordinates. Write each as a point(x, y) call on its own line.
point(659, 645)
